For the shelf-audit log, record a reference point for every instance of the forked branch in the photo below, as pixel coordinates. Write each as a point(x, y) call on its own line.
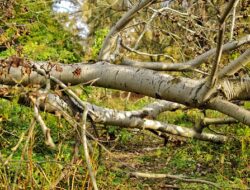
point(126, 18)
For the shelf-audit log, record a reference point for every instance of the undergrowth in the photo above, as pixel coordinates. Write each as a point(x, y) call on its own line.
point(32, 165)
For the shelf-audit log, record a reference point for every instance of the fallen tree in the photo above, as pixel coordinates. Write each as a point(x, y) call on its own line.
point(46, 85)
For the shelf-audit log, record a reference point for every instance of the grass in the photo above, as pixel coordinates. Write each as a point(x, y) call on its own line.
point(35, 166)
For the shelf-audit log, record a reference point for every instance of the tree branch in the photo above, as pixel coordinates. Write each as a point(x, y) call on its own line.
point(146, 54)
point(218, 121)
point(235, 65)
point(187, 66)
point(155, 84)
point(230, 109)
point(212, 79)
point(45, 129)
point(85, 146)
point(126, 18)
point(233, 20)
point(176, 177)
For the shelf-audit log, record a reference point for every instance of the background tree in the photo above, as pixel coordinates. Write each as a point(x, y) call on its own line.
point(31, 29)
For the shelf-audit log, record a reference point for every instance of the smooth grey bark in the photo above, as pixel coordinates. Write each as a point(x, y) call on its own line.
point(129, 119)
point(218, 121)
point(189, 65)
point(135, 119)
point(151, 83)
point(235, 65)
point(230, 109)
point(138, 80)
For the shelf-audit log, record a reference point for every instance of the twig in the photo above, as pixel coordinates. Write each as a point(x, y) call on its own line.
point(205, 122)
point(212, 80)
point(14, 149)
point(231, 4)
point(172, 10)
point(189, 65)
point(146, 54)
point(126, 18)
point(67, 170)
point(30, 133)
point(177, 177)
point(219, 121)
point(155, 14)
point(36, 102)
point(233, 20)
point(85, 146)
point(45, 129)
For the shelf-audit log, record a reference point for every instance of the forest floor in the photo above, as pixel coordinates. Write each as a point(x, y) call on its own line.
point(196, 160)
point(34, 166)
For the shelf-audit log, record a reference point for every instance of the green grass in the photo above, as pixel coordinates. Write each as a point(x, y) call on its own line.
point(38, 166)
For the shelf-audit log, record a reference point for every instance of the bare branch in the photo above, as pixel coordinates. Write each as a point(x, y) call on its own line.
point(134, 119)
point(146, 54)
point(45, 129)
point(231, 4)
point(202, 122)
point(213, 75)
point(233, 20)
point(218, 121)
point(187, 66)
point(127, 119)
point(171, 10)
point(85, 146)
point(212, 79)
point(235, 65)
point(155, 108)
point(176, 177)
point(126, 18)
point(230, 109)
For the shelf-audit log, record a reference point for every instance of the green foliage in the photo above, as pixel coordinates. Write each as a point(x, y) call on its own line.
point(125, 135)
point(32, 31)
point(223, 164)
point(234, 55)
point(98, 40)
point(37, 160)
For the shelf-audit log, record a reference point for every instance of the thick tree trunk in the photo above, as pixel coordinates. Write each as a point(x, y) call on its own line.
point(143, 81)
